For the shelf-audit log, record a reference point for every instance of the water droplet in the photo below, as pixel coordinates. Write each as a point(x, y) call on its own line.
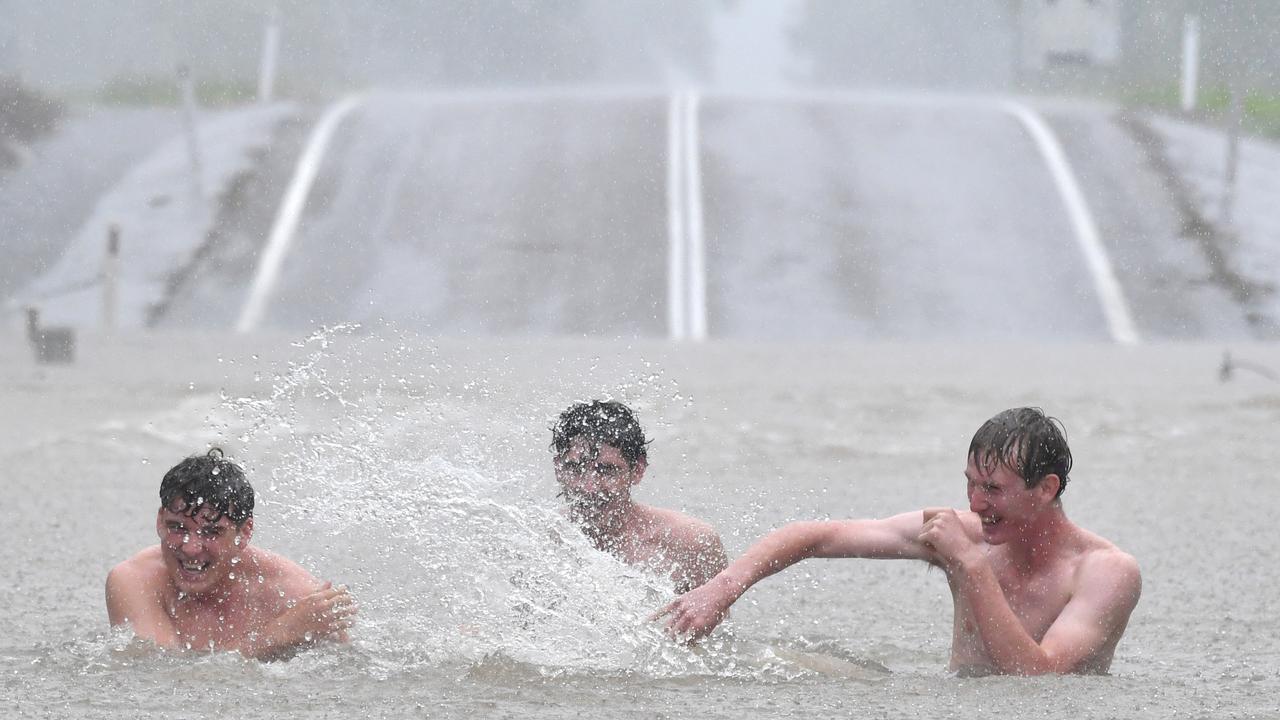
point(308, 636)
point(146, 461)
point(231, 576)
point(235, 560)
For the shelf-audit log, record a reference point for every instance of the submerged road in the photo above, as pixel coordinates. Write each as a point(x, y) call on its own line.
point(811, 219)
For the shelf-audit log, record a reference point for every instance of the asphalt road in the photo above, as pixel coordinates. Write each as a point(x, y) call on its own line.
point(824, 220)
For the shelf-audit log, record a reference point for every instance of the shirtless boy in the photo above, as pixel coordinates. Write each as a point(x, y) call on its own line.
point(1033, 593)
point(600, 456)
point(205, 587)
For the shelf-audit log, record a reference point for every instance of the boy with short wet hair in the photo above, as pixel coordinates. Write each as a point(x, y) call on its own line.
point(1033, 592)
point(205, 587)
point(600, 454)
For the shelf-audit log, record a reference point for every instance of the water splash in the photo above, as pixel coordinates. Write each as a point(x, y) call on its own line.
point(413, 483)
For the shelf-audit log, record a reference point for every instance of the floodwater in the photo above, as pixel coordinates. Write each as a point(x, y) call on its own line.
point(417, 472)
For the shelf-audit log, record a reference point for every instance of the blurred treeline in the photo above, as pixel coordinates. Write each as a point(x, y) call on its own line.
point(126, 50)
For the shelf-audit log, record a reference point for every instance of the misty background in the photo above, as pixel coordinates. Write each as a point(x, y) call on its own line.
point(82, 48)
point(884, 198)
point(812, 242)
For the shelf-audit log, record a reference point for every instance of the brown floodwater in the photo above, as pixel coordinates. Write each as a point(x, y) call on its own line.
point(417, 472)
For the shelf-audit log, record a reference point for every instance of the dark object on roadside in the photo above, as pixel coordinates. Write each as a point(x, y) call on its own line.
point(52, 344)
point(1229, 367)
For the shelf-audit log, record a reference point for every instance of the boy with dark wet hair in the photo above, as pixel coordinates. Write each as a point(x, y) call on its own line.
point(1033, 593)
point(599, 456)
point(211, 482)
point(602, 421)
point(1028, 442)
point(204, 587)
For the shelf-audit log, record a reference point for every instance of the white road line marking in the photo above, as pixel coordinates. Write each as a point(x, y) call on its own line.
point(1110, 294)
point(697, 286)
point(1115, 307)
point(675, 221)
point(290, 213)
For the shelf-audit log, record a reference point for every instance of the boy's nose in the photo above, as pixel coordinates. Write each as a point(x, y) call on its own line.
point(582, 482)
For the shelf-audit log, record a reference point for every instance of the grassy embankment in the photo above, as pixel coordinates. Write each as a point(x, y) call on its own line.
point(1261, 107)
point(164, 90)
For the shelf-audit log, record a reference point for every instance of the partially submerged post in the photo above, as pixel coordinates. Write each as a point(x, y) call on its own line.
point(52, 344)
point(187, 86)
point(110, 269)
point(1232, 162)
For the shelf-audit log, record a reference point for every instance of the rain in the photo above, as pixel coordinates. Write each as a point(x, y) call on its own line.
point(370, 251)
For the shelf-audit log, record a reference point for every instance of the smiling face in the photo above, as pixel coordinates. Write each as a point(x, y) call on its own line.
point(200, 553)
point(1008, 508)
point(592, 477)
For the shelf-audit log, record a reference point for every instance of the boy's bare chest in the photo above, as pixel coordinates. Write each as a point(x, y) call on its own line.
point(1035, 599)
point(215, 626)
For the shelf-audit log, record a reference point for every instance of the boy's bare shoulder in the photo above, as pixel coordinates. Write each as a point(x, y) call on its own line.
point(1104, 557)
point(682, 529)
point(1100, 563)
point(280, 573)
point(146, 564)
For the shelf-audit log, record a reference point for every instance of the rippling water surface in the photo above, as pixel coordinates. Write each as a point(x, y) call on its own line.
point(417, 472)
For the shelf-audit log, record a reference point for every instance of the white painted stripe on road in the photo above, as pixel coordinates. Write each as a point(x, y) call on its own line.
point(290, 213)
point(697, 285)
point(676, 326)
point(1110, 294)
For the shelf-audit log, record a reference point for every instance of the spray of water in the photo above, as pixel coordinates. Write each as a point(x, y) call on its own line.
point(415, 483)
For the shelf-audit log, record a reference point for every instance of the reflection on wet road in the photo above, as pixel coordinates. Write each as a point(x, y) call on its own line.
point(835, 219)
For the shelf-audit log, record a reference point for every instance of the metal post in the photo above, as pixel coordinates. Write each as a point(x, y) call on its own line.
point(1233, 155)
point(1190, 61)
point(189, 126)
point(270, 50)
point(110, 269)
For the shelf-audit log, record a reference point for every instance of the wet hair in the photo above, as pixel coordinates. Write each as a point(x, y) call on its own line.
point(209, 482)
point(603, 422)
point(1026, 441)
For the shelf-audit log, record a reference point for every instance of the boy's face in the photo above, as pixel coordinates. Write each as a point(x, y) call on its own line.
point(591, 476)
point(199, 552)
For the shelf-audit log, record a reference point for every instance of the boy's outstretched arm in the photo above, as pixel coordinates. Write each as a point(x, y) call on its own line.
point(697, 612)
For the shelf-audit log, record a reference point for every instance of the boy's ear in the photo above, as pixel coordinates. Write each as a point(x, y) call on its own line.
point(637, 470)
point(1049, 486)
point(245, 531)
